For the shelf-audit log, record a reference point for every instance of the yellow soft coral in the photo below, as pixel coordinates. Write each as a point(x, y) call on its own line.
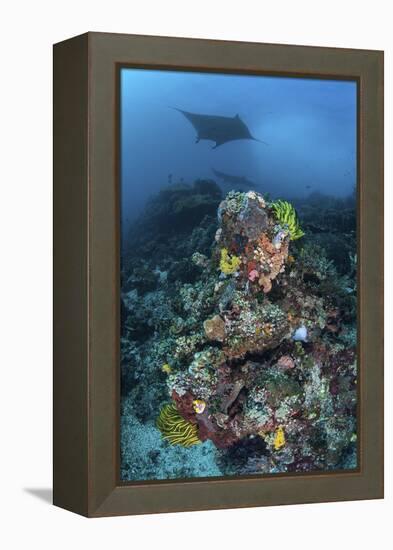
point(228, 264)
point(199, 405)
point(279, 438)
point(175, 429)
point(166, 368)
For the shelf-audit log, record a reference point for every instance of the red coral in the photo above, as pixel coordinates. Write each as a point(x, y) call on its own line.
point(251, 265)
point(184, 404)
point(207, 429)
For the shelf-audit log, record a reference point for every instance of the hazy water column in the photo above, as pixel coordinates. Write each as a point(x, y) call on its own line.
point(309, 125)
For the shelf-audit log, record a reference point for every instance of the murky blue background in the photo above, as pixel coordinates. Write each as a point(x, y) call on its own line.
point(308, 124)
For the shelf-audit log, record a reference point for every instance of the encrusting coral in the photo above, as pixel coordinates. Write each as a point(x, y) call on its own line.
point(175, 429)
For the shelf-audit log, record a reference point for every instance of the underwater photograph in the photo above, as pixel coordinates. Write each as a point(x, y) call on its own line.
point(238, 314)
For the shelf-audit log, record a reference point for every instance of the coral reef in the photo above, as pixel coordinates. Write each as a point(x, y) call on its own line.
point(146, 455)
point(248, 329)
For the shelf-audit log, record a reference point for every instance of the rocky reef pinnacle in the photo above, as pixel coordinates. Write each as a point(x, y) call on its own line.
point(253, 342)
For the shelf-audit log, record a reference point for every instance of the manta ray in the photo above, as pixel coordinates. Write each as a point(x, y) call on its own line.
point(233, 180)
point(220, 129)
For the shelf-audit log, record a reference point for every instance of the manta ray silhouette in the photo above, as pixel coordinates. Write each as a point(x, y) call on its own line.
point(220, 129)
point(230, 179)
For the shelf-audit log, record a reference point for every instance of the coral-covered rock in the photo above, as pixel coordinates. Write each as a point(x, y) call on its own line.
point(249, 230)
point(258, 330)
point(215, 328)
point(286, 362)
point(251, 251)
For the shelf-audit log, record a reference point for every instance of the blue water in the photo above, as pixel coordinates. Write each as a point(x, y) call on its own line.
point(309, 126)
point(171, 280)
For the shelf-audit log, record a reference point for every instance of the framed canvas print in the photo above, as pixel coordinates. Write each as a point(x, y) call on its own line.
point(218, 268)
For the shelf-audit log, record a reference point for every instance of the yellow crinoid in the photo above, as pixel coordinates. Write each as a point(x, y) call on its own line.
point(175, 429)
point(286, 216)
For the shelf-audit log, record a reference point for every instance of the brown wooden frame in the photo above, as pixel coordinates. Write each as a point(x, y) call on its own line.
point(86, 274)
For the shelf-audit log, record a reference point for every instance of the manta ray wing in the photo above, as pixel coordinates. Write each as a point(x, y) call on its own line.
point(220, 129)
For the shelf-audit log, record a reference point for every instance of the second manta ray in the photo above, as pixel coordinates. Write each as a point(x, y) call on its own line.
point(220, 129)
point(229, 179)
